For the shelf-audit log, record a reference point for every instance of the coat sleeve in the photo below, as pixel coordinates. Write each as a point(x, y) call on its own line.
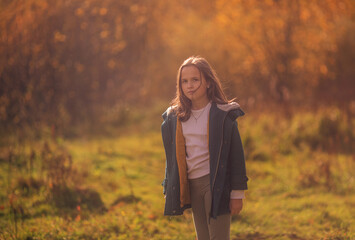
point(238, 170)
point(165, 180)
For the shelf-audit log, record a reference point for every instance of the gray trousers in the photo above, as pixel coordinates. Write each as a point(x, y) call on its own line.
point(216, 229)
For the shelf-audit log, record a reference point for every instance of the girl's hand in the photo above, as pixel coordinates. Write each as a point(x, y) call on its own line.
point(235, 205)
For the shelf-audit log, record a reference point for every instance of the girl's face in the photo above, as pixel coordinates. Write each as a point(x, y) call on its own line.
point(194, 85)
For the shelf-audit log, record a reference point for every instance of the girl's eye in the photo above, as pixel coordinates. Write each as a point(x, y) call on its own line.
point(196, 80)
point(184, 81)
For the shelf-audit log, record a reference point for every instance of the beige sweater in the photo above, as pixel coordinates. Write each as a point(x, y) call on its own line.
point(196, 141)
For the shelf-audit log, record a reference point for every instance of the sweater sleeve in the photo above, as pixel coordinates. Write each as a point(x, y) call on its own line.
point(237, 194)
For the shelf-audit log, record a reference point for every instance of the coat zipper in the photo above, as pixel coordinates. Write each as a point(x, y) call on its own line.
point(219, 156)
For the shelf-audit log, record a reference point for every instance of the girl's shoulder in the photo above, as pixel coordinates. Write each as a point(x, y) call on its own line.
point(170, 110)
point(228, 106)
point(233, 109)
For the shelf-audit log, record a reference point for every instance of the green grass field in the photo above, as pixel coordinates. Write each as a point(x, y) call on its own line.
point(301, 183)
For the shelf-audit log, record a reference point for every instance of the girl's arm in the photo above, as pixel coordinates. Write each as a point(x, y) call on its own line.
point(238, 171)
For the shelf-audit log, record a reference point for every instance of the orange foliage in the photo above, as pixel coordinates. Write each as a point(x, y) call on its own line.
point(62, 62)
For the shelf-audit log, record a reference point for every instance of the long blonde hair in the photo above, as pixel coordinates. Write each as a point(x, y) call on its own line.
point(181, 104)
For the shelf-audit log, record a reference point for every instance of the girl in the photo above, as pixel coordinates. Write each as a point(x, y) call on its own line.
point(205, 166)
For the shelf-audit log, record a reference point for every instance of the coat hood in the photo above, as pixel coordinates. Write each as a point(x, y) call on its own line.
point(167, 112)
point(233, 109)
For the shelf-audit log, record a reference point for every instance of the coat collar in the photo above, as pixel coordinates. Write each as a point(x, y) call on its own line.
point(232, 109)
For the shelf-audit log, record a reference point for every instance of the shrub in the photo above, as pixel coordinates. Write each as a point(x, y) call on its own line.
point(328, 130)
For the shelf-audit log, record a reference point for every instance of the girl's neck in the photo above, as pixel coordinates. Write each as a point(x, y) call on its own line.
point(200, 104)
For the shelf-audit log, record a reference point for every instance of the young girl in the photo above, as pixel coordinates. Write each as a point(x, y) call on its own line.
point(205, 166)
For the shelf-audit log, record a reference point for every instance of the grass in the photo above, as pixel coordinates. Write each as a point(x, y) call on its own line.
point(301, 184)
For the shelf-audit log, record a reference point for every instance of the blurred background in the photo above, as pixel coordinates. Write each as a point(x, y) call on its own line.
point(83, 84)
point(69, 62)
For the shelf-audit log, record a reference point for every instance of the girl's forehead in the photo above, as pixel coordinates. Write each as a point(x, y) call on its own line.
point(190, 70)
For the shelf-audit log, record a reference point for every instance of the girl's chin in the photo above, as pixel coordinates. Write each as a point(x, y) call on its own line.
point(191, 97)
